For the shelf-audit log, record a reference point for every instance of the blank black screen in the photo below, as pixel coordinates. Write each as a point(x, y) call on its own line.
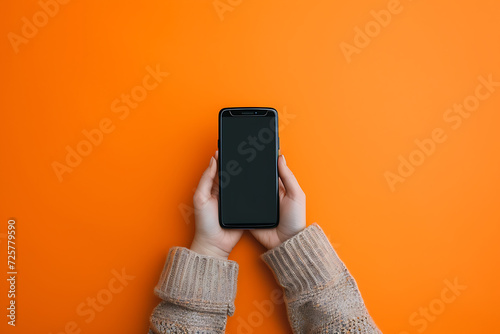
point(248, 170)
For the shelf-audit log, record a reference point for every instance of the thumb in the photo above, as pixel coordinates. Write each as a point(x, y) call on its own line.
point(292, 187)
point(204, 189)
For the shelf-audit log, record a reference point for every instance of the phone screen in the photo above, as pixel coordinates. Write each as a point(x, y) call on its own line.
point(248, 176)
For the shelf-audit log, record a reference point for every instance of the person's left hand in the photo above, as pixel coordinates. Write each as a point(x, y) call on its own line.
point(210, 238)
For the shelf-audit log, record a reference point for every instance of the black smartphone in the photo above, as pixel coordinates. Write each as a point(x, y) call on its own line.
point(248, 168)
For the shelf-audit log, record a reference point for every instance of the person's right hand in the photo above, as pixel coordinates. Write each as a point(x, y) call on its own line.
point(292, 210)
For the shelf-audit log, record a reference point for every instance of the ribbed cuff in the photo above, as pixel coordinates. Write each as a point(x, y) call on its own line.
point(198, 282)
point(304, 262)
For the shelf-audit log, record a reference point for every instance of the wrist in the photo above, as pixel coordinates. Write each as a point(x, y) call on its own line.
point(282, 236)
point(206, 249)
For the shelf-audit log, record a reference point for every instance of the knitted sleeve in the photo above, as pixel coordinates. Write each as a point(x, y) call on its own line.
point(320, 294)
point(197, 293)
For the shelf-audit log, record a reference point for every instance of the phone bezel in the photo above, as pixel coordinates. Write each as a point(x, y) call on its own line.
point(247, 111)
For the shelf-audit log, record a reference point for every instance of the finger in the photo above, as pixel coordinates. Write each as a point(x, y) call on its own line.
point(281, 187)
point(292, 187)
point(215, 186)
point(203, 191)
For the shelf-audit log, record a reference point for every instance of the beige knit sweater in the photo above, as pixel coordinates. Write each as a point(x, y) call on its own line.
point(198, 291)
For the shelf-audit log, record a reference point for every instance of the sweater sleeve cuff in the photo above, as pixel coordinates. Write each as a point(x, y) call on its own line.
point(198, 282)
point(305, 262)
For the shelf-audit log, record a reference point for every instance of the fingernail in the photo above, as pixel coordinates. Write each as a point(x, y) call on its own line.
point(211, 161)
point(284, 160)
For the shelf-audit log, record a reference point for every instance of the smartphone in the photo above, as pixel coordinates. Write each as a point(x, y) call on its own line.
point(248, 168)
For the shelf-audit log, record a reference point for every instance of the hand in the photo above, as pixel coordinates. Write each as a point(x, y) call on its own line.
point(210, 238)
point(292, 210)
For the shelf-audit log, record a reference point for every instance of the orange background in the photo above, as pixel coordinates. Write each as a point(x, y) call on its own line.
point(347, 124)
